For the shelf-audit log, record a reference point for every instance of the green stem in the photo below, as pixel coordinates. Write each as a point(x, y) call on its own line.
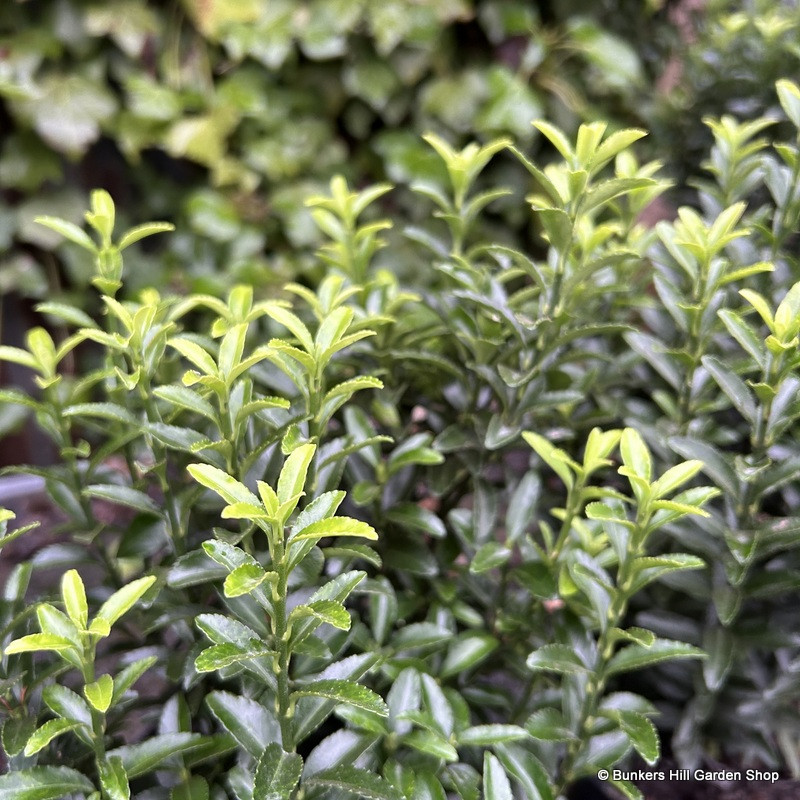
point(98, 719)
point(281, 633)
point(574, 501)
point(161, 469)
point(65, 445)
point(605, 650)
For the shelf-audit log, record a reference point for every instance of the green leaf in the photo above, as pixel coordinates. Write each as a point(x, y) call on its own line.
point(100, 692)
point(640, 636)
point(228, 488)
point(124, 599)
point(720, 644)
point(789, 97)
point(123, 496)
point(344, 692)
point(43, 783)
point(649, 568)
point(38, 641)
point(527, 770)
point(352, 780)
point(251, 724)
point(744, 335)
point(489, 556)
point(16, 732)
point(488, 735)
point(556, 137)
point(675, 477)
point(44, 735)
point(223, 655)
point(129, 675)
point(349, 387)
point(185, 398)
point(760, 305)
point(113, 779)
point(636, 656)
point(67, 313)
point(522, 505)
point(66, 703)
point(142, 231)
point(715, 464)
point(326, 611)
point(548, 724)
point(139, 759)
point(467, 651)
point(433, 744)
point(558, 226)
point(245, 578)
point(18, 356)
point(552, 456)
point(419, 634)
point(69, 231)
point(496, 785)
point(196, 354)
point(335, 526)
point(195, 788)
point(635, 454)
point(277, 773)
point(733, 386)
point(294, 324)
point(642, 733)
point(74, 596)
point(109, 411)
point(293, 475)
point(556, 658)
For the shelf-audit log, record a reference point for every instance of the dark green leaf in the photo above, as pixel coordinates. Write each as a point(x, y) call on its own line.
point(43, 783)
point(556, 658)
point(277, 773)
point(466, 651)
point(496, 785)
point(113, 779)
point(344, 692)
point(139, 759)
point(252, 725)
point(636, 656)
point(354, 781)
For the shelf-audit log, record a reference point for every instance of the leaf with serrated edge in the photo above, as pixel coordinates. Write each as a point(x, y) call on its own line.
point(356, 782)
point(43, 783)
point(277, 773)
point(124, 599)
point(44, 735)
point(336, 526)
point(345, 692)
point(636, 656)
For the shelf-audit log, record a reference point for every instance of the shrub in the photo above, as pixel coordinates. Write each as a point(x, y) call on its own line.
point(518, 441)
point(224, 116)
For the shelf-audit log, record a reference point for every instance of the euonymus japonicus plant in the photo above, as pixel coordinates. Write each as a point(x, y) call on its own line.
point(431, 534)
point(723, 341)
point(84, 714)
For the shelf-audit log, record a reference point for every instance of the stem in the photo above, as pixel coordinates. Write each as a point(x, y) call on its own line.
point(65, 445)
point(281, 632)
point(595, 686)
point(314, 433)
point(160, 457)
point(780, 235)
point(98, 719)
point(770, 375)
point(685, 415)
point(574, 499)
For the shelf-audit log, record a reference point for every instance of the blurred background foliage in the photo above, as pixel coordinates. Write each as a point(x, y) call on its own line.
point(224, 115)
